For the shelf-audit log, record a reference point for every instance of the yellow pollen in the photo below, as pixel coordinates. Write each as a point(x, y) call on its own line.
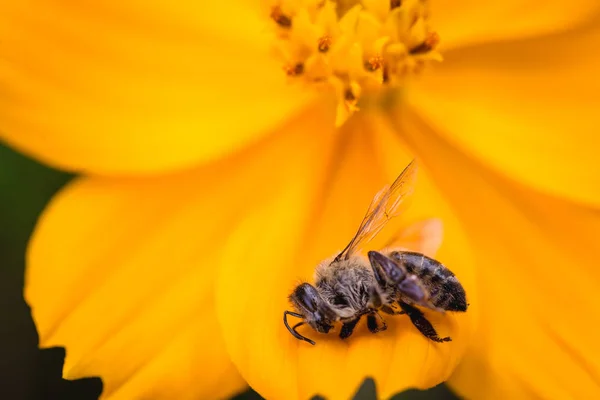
point(374, 63)
point(324, 43)
point(353, 48)
point(432, 40)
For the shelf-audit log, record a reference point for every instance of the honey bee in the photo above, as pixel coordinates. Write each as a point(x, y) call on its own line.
point(390, 281)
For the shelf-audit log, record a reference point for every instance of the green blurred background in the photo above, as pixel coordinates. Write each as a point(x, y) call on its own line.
point(27, 372)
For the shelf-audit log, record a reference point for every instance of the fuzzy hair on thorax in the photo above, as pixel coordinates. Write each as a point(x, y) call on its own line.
point(346, 285)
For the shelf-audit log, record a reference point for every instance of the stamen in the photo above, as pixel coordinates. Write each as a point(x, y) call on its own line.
point(349, 96)
point(433, 39)
point(429, 44)
point(354, 47)
point(374, 63)
point(386, 75)
point(282, 20)
point(294, 70)
point(342, 6)
point(395, 4)
point(324, 43)
point(350, 100)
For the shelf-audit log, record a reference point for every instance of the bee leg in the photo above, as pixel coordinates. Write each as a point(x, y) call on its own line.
point(373, 325)
point(348, 328)
point(293, 330)
point(421, 323)
point(375, 298)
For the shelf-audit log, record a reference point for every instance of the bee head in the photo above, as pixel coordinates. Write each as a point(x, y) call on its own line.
point(308, 302)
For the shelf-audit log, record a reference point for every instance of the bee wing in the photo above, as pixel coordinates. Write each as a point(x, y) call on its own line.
point(384, 206)
point(423, 237)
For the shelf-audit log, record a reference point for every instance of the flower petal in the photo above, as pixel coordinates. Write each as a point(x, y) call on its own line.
point(121, 271)
point(423, 236)
point(260, 270)
point(527, 108)
point(466, 22)
point(537, 281)
point(97, 284)
point(122, 87)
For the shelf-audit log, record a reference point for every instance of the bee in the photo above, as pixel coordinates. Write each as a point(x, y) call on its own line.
point(390, 281)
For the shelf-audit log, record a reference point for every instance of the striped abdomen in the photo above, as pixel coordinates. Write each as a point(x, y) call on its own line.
point(445, 290)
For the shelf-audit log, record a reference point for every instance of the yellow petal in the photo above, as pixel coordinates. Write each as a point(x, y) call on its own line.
point(537, 279)
point(98, 285)
point(261, 267)
point(466, 22)
point(121, 271)
point(529, 109)
point(121, 88)
point(423, 236)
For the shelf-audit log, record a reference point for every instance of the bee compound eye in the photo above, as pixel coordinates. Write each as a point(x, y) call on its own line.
point(307, 297)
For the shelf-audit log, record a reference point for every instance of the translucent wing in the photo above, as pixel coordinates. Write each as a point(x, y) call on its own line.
point(385, 206)
point(423, 237)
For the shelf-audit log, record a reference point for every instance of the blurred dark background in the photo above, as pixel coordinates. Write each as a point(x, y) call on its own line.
point(27, 372)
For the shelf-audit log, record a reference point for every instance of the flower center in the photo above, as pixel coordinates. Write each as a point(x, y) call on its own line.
point(355, 48)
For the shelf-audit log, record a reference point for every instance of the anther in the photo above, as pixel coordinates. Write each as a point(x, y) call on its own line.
point(324, 43)
point(350, 100)
point(430, 42)
point(432, 39)
point(280, 18)
point(328, 60)
point(349, 96)
point(294, 70)
point(374, 63)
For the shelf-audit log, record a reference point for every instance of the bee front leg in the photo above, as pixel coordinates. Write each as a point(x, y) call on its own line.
point(421, 323)
point(348, 328)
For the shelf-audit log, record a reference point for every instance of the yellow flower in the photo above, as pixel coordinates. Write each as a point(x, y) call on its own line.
point(217, 181)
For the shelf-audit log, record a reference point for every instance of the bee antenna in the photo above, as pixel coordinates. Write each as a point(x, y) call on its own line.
point(293, 330)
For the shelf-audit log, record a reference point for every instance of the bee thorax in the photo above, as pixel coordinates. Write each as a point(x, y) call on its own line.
point(346, 285)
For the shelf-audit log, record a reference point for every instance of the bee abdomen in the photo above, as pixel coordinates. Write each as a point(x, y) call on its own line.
point(449, 296)
point(444, 288)
point(425, 268)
